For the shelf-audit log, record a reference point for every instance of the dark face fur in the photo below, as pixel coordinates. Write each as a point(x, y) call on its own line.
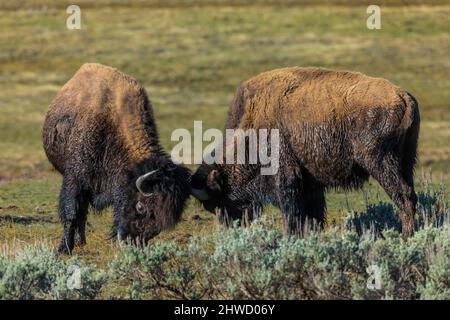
point(209, 185)
point(156, 205)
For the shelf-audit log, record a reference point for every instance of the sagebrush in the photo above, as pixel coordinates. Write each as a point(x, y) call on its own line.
point(260, 262)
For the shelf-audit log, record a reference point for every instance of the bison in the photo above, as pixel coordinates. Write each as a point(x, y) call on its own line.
point(100, 134)
point(336, 128)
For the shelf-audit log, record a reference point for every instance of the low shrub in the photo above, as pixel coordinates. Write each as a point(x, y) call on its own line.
point(163, 270)
point(37, 273)
point(364, 258)
point(259, 263)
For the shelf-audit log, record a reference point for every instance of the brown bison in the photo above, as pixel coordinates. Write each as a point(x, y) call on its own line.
point(336, 129)
point(100, 134)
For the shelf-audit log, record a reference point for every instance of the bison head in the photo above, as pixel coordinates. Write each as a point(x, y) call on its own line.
point(210, 185)
point(156, 203)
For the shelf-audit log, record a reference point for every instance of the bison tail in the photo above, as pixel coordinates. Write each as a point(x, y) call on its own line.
point(411, 121)
point(411, 117)
point(237, 109)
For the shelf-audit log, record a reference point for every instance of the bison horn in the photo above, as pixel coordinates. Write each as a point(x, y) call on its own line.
point(200, 194)
point(141, 180)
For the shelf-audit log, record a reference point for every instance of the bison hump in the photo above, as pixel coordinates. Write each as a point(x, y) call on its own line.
point(99, 95)
point(313, 95)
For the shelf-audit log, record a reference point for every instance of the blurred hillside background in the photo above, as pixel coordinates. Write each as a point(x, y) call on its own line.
point(191, 56)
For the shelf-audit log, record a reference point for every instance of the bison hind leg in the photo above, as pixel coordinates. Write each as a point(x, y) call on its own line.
point(399, 186)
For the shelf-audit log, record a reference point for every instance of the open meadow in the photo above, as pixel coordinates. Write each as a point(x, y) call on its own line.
point(191, 56)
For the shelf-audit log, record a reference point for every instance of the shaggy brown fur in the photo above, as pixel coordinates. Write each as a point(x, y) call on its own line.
point(100, 134)
point(336, 129)
point(102, 93)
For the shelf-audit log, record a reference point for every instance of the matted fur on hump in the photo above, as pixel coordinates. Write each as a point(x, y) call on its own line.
point(102, 92)
point(314, 95)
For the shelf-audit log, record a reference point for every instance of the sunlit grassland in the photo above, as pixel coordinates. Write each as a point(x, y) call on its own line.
point(191, 59)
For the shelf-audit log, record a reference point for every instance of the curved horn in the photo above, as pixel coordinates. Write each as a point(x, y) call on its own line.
point(200, 194)
point(141, 180)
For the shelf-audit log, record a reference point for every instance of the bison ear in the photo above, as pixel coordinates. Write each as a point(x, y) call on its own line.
point(214, 181)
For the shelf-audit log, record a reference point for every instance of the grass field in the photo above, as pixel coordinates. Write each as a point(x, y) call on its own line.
point(191, 57)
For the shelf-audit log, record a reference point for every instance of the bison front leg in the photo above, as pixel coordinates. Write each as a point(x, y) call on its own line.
point(80, 228)
point(289, 198)
point(313, 198)
point(388, 172)
point(72, 210)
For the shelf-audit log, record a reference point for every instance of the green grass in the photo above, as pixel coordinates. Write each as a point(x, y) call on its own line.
point(191, 58)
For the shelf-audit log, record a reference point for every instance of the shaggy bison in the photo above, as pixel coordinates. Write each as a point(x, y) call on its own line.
point(100, 134)
point(336, 129)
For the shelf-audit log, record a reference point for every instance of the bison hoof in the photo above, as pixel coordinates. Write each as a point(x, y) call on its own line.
point(80, 241)
point(63, 248)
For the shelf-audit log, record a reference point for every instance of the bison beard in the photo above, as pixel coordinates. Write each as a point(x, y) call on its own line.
point(336, 130)
point(99, 133)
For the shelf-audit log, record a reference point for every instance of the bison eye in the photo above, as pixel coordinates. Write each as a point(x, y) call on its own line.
point(140, 207)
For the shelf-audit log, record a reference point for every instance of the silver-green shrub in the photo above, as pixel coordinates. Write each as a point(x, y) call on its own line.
point(38, 273)
point(164, 270)
point(259, 262)
point(364, 257)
